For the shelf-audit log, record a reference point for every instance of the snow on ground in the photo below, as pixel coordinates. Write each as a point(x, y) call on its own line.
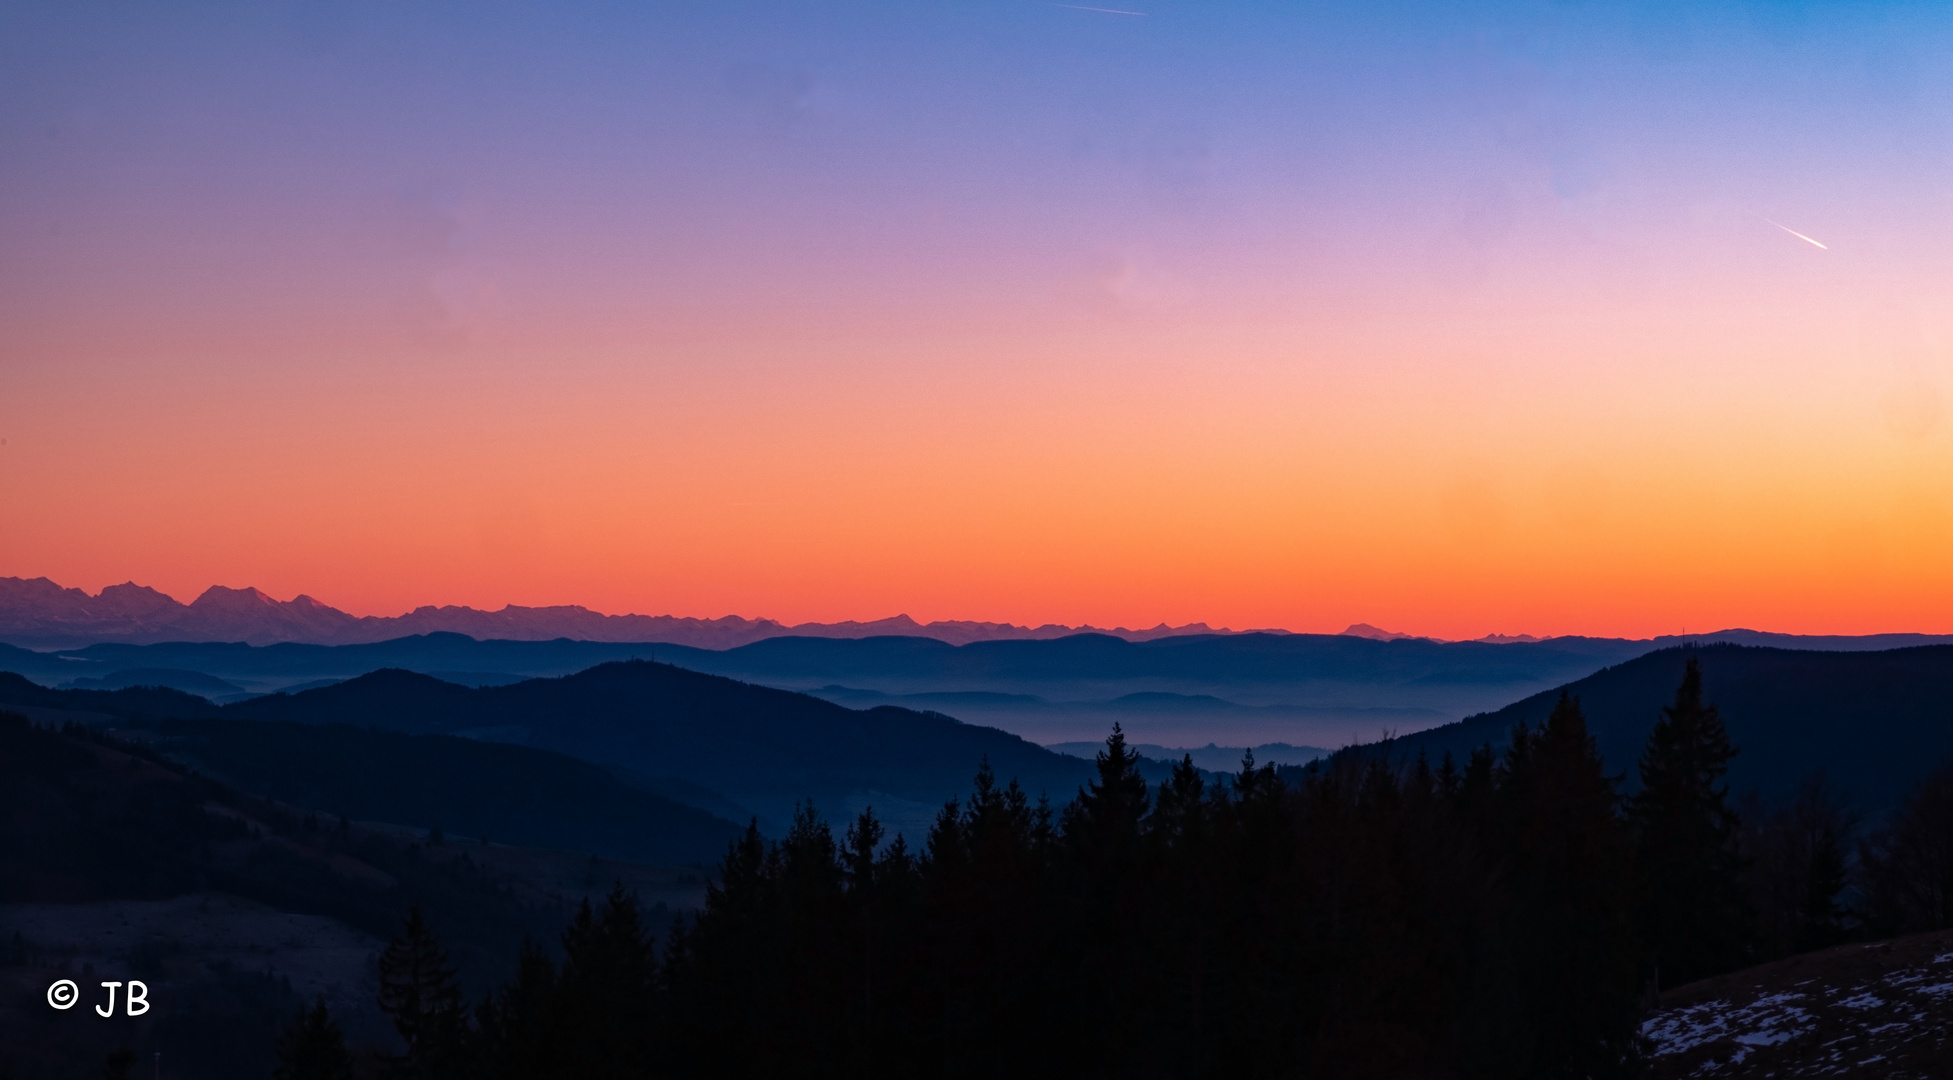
point(1882, 1010)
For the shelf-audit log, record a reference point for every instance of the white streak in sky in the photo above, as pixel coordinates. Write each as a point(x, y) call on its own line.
point(1798, 235)
point(1102, 10)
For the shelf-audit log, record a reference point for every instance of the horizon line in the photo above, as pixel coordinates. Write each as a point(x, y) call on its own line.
point(1162, 628)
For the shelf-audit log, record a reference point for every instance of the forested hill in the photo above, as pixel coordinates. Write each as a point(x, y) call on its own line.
point(1874, 722)
point(1234, 658)
point(1212, 659)
point(130, 703)
point(764, 748)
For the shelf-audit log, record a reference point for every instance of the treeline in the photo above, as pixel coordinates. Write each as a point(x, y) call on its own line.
point(1507, 916)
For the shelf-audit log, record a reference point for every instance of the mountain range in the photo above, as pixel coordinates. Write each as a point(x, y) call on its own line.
point(1235, 690)
point(688, 739)
point(765, 749)
point(152, 792)
point(1186, 690)
point(1873, 720)
point(38, 613)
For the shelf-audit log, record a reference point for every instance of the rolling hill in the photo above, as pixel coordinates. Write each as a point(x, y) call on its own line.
point(1872, 721)
point(763, 748)
point(1241, 689)
point(116, 863)
point(512, 794)
point(483, 790)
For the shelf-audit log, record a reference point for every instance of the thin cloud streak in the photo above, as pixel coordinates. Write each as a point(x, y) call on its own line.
point(1798, 235)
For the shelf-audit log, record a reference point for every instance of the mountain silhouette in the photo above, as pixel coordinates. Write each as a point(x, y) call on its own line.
point(484, 790)
point(1374, 633)
point(1234, 689)
point(1213, 658)
point(39, 613)
point(190, 682)
point(763, 748)
point(1873, 722)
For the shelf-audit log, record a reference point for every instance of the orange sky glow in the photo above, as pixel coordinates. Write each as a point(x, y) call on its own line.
point(1519, 350)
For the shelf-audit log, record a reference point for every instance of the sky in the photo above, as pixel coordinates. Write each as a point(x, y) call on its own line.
point(1454, 318)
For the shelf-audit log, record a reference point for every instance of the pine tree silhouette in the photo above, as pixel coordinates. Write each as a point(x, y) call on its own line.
point(1695, 913)
point(312, 1048)
point(606, 1007)
point(1908, 865)
point(1571, 925)
point(518, 1034)
point(418, 991)
point(1366, 918)
point(1106, 815)
point(1822, 922)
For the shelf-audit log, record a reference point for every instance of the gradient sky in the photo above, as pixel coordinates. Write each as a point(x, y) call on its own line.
point(1454, 318)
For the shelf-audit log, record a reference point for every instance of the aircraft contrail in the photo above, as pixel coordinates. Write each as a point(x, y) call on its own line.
point(1102, 10)
point(1798, 235)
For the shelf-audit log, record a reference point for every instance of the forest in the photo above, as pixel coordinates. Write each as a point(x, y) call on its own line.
point(1511, 915)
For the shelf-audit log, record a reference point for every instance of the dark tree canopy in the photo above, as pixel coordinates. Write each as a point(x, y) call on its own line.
point(1356, 920)
point(1364, 917)
point(1909, 864)
point(312, 1048)
point(1694, 909)
point(419, 992)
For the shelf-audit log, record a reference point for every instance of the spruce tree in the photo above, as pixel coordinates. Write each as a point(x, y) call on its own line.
point(1106, 816)
point(1822, 922)
point(865, 901)
point(519, 1034)
point(1182, 860)
point(1179, 822)
point(1571, 926)
point(1107, 905)
point(312, 1048)
point(1694, 913)
point(1908, 865)
point(605, 995)
point(418, 991)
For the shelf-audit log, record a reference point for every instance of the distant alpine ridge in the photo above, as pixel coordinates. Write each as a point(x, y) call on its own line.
point(38, 613)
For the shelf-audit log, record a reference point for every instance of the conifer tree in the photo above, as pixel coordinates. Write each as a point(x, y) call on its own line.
point(1181, 831)
point(1349, 920)
point(1796, 864)
point(866, 881)
point(721, 968)
point(517, 1034)
point(1570, 922)
point(1822, 922)
point(312, 1048)
point(418, 991)
point(605, 1006)
point(1104, 904)
point(1106, 815)
point(1695, 914)
point(1447, 782)
point(1180, 817)
point(1908, 865)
